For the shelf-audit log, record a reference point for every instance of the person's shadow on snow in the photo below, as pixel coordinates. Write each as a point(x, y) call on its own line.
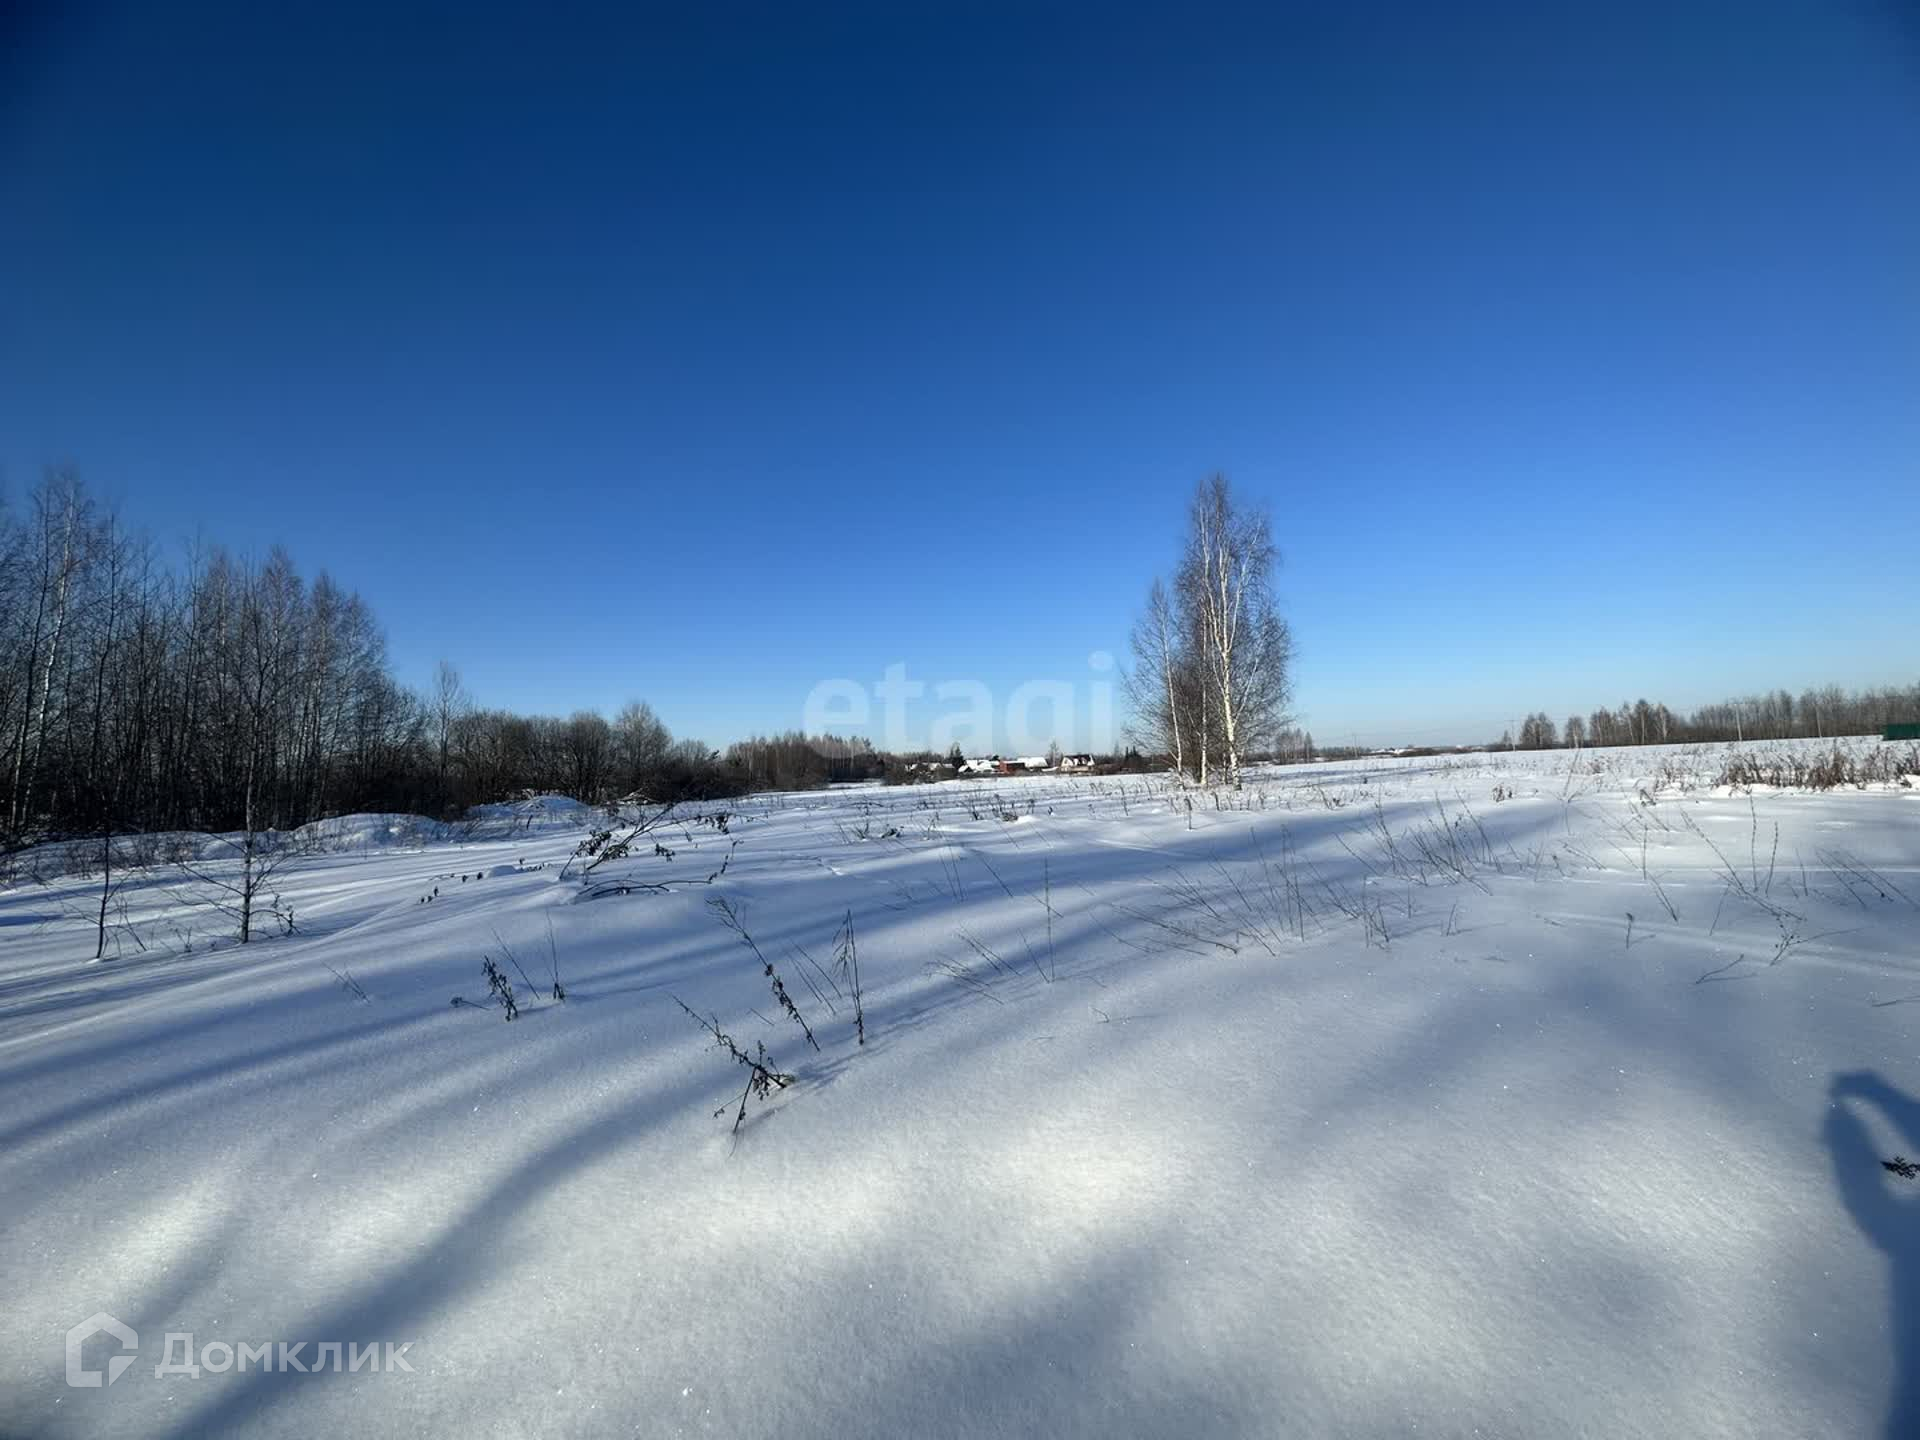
point(1886, 1207)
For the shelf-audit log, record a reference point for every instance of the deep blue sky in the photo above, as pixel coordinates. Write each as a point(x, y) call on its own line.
point(702, 353)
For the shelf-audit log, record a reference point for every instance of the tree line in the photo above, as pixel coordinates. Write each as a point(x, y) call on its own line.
point(223, 694)
point(132, 692)
point(1775, 715)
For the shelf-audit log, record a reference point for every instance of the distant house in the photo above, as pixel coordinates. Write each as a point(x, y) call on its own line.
point(1021, 764)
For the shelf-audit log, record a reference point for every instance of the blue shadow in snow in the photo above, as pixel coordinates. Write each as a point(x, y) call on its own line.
point(1886, 1216)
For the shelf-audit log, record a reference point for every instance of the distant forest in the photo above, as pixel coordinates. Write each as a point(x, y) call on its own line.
point(226, 694)
point(229, 694)
point(1776, 716)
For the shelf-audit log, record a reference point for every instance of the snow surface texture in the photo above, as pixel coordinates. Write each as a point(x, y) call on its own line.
point(1352, 1104)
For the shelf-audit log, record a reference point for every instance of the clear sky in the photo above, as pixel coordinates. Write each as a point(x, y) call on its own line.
point(704, 353)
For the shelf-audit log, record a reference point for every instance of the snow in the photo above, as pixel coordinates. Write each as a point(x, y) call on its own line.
point(538, 806)
point(1144, 1139)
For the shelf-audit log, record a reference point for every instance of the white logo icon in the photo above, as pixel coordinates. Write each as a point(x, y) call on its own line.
point(77, 1374)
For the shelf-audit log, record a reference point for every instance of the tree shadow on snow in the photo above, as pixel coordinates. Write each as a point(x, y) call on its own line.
point(1887, 1210)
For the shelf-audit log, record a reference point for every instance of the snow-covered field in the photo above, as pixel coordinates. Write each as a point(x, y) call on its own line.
point(1513, 1095)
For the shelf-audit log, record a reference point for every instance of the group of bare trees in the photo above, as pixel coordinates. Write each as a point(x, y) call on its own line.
point(223, 694)
point(1212, 655)
point(1777, 715)
point(1828, 710)
point(233, 695)
point(797, 761)
point(482, 755)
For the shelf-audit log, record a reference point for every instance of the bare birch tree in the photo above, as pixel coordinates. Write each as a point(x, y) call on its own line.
point(1153, 683)
point(1226, 580)
point(451, 705)
point(1213, 657)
